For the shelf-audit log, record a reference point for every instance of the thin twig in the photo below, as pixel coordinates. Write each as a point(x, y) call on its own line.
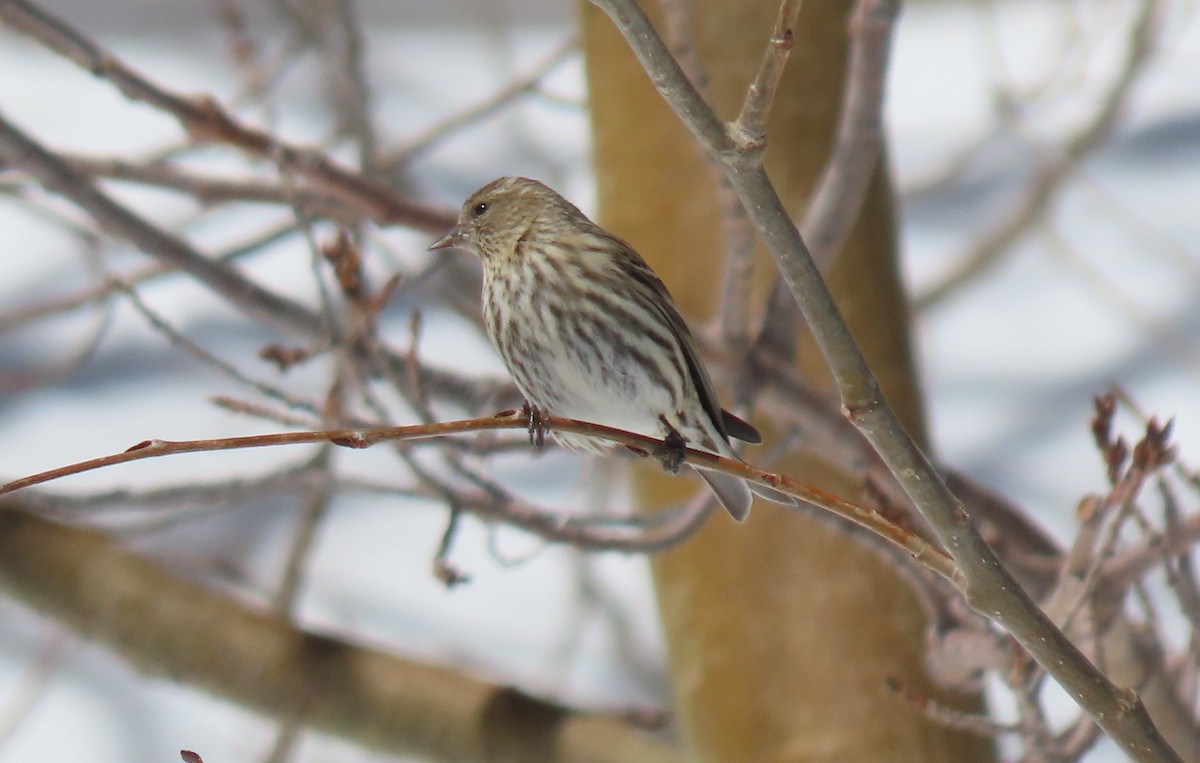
point(315, 505)
point(351, 70)
point(449, 575)
point(251, 298)
point(293, 479)
point(854, 160)
point(208, 190)
point(245, 51)
point(204, 120)
point(1036, 200)
point(23, 152)
point(413, 147)
point(177, 339)
point(750, 129)
point(868, 518)
point(949, 716)
point(736, 228)
point(22, 316)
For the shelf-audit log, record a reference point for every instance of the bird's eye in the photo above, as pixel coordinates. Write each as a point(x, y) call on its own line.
point(480, 208)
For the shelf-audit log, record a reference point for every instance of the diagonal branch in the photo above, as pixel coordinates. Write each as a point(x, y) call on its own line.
point(989, 588)
point(24, 153)
point(203, 119)
point(168, 626)
point(1038, 198)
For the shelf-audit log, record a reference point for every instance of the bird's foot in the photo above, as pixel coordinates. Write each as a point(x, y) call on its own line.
point(674, 448)
point(537, 424)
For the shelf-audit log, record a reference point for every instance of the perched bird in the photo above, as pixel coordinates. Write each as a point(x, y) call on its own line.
point(588, 331)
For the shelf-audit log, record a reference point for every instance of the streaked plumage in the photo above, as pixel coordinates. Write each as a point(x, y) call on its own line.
point(586, 328)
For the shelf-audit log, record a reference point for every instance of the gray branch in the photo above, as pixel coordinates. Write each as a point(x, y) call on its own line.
point(987, 586)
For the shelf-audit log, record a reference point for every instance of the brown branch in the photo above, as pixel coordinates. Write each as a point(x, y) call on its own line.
point(204, 120)
point(23, 152)
point(168, 626)
point(921, 551)
point(208, 190)
point(21, 316)
point(273, 309)
point(948, 716)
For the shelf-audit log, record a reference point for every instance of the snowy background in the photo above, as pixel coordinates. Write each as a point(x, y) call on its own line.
point(1104, 291)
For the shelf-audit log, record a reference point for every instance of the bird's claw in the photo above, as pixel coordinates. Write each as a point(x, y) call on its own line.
point(536, 424)
point(674, 448)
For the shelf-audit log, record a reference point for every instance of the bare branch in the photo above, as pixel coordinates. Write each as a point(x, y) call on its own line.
point(750, 129)
point(208, 190)
point(23, 152)
point(988, 588)
point(868, 518)
point(527, 83)
point(170, 626)
point(854, 160)
point(1038, 196)
point(204, 120)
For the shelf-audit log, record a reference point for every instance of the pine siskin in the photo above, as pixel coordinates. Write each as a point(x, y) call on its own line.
point(588, 331)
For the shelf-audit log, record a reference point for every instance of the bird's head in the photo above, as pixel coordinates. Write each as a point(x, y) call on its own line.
point(507, 211)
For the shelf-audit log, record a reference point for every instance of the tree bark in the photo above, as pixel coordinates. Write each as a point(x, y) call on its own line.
point(781, 632)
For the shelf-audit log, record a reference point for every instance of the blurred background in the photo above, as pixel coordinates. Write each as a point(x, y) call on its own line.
point(1046, 157)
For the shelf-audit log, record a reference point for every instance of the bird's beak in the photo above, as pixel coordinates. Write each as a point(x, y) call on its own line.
point(456, 237)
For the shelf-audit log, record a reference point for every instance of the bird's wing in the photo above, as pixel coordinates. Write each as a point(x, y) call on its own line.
point(662, 302)
point(740, 429)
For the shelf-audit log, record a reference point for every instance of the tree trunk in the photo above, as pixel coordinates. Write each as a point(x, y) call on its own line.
point(781, 632)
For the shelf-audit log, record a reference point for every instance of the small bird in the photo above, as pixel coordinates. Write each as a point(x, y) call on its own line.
point(589, 332)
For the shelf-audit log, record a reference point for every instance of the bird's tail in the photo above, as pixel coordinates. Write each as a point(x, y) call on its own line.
point(732, 492)
point(773, 495)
